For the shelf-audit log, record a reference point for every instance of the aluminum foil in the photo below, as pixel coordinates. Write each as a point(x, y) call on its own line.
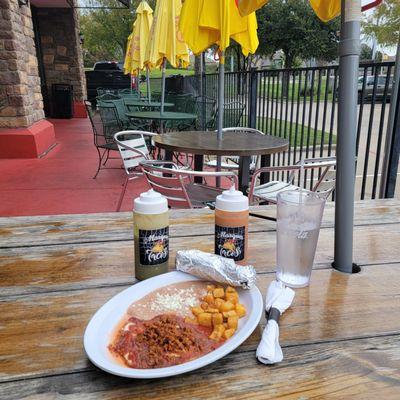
point(215, 268)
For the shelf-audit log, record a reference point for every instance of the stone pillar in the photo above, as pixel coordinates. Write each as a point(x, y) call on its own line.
point(62, 53)
point(23, 131)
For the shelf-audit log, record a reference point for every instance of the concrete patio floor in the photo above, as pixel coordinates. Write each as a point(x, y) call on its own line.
point(61, 182)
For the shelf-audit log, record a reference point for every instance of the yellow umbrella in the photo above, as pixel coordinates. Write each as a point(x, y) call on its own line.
point(207, 22)
point(325, 9)
point(165, 41)
point(137, 42)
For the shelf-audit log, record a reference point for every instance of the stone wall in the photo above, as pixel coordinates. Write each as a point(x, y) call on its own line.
point(21, 102)
point(61, 49)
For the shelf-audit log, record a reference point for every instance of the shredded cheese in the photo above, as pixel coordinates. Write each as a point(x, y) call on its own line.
point(177, 301)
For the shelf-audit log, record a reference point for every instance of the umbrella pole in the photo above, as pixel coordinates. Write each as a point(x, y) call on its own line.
point(162, 93)
point(148, 84)
point(221, 92)
point(349, 50)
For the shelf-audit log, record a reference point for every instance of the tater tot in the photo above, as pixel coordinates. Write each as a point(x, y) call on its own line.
point(228, 314)
point(228, 333)
point(230, 289)
point(240, 310)
point(210, 287)
point(197, 310)
point(218, 292)
point(218, 303)
point(232, 297)
point(233, 322)
point(205, 319)
point(209, 298)
point(227, 306)
point(217, 319)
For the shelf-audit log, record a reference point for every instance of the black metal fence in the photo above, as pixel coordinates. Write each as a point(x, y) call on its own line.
point(301, 105)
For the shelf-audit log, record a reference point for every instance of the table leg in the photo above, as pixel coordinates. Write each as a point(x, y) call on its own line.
point(198, 166)
point(244, 173)
point(265, 162)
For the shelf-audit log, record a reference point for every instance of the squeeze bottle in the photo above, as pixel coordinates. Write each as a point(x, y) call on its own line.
point(151, 234)
point(231, 225)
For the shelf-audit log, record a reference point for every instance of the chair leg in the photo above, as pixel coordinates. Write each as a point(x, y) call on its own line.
point(108, 155)
point(100, 160)
point(121, 197)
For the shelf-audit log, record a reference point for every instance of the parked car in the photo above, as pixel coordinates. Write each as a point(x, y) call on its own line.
point(108, 75)
point(369, 87)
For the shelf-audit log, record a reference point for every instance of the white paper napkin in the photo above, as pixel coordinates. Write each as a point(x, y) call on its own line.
point(280, 297)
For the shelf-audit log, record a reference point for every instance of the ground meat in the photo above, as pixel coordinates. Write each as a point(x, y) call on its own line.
point(163, 341)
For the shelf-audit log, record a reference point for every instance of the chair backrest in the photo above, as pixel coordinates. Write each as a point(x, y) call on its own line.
point(325, 168)
point(128, 92)
point(110, 121)
point(119, 105)
point(167, 179)
point(204, 108)
point(132, 148)
point(240, 129)
point(233, 113)
point(102, 91)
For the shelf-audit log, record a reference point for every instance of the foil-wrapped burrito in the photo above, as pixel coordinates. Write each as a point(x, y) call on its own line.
point(215, 268)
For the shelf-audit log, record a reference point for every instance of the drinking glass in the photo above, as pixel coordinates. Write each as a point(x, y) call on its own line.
point(299, 215)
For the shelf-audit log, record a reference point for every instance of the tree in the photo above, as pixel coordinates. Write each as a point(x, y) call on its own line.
point(106, 31)
point(384, 23)
point(293, 27)
point(365, 52)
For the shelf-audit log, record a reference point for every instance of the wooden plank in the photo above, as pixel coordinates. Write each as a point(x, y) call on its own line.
point(63, 267)
point(356, 369)
point(42, 334)
point(63, 229)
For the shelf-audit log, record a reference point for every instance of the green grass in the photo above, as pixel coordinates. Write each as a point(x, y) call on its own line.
point(156, 73)
point(277, 127)
point(275, 90)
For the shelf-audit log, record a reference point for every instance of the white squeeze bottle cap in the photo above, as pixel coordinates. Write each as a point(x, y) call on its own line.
point(232, 200)
point(150, 202)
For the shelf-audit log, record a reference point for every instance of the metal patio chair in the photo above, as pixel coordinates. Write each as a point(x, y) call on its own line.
point(323, 168)
point(178, 186)
point(233, 113)
point(132, 149)
point(102, 91)
point(204, 108)
point(103, 132)
point(231, 163)
point(121, 110)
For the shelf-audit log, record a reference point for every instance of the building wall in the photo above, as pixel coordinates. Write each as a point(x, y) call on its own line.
point(21, 102)
point(61, 49)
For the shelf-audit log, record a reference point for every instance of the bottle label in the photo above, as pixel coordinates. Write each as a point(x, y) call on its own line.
point(230, 242)
point(154, 246)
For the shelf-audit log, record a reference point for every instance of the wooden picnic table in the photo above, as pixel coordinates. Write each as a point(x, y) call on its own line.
point(340, 338)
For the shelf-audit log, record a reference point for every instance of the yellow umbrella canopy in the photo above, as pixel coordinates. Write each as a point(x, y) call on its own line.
point(137, 40)
point(325, 9)
point(207, 22)
point(165, 40)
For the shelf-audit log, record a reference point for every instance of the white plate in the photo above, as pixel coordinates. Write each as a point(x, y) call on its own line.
point(99, 330)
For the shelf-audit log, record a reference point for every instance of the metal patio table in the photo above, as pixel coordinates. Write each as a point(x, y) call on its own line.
point(243, 144)
point(160, 118)
point(143, 104)
point(340, 338)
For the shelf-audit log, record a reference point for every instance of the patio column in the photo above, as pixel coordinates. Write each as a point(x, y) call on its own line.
point(23, 131)
point(349, 51)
